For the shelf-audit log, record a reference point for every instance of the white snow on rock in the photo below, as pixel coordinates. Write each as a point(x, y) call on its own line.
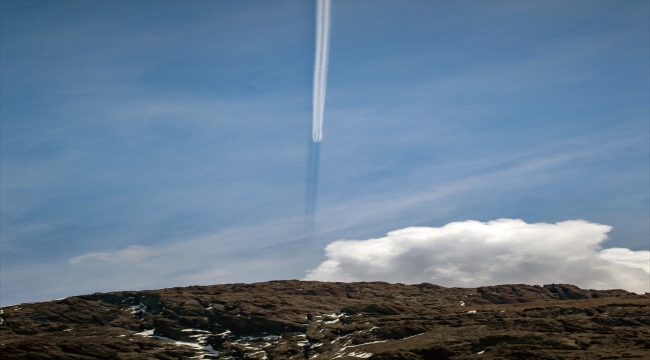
point(354, 353)
point(376, 342)
point(141, 308)
point(198, 346)
point(412, 336)
point(363, 355)
point(145, 333)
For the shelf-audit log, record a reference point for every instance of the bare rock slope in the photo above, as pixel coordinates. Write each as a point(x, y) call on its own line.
point(320, 320)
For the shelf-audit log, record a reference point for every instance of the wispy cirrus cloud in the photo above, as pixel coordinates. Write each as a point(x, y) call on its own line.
point(132, 254)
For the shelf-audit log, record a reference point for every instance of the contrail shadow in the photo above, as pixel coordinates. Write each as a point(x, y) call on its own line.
point(320, 83)
point(312, 187)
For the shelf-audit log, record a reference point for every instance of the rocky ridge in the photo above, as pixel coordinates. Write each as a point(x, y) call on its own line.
point(320, 320)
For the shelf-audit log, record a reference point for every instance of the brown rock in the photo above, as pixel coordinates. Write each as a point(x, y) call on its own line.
point(307, 320)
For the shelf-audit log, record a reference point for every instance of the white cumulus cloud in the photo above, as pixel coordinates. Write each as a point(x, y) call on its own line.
point(504, 251)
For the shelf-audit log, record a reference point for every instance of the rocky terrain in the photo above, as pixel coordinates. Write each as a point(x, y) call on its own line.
point(319, 320)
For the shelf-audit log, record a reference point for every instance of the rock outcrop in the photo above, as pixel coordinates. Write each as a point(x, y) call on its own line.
point(320, 320)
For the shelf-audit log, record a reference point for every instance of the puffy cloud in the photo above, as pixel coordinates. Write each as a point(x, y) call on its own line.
point(627, 258)
point(505, 251)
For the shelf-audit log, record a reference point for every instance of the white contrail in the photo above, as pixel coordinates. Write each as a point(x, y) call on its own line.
point(320, 66)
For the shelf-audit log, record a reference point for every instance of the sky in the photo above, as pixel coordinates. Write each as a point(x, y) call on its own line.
point(150, 144)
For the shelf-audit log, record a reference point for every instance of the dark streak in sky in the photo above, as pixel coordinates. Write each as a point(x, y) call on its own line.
point(312, 186)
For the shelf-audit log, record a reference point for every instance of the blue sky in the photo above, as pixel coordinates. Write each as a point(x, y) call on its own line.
point(169, 139)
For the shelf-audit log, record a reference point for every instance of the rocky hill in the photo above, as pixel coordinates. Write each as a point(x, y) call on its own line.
point(319, 320)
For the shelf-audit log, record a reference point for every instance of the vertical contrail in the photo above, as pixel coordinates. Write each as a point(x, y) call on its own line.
point(320, 67)
point(320, 84)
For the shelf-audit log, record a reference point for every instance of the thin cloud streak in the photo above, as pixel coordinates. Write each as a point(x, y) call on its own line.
point(133, 253)
point(514, 171)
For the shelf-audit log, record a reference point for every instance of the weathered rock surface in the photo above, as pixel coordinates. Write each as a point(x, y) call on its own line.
point(307, 320)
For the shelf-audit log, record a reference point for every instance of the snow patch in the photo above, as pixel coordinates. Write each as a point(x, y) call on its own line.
point(412, 336)
point(198, 346)
point(195, 330)
point(360, 354)
point(376, 342)
point(141, 308)
point(145, 333)
point(260, 338)
point(363, 355)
